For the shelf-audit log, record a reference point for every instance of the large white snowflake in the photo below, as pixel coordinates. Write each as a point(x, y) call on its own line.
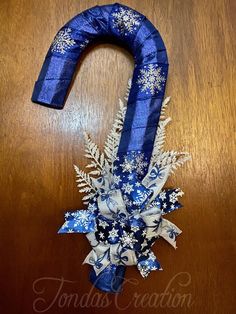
point(63, 41)
point(150, 79)
point(127, 188)
point(126, 20)
point(174, 196)
point(81, 217)
point(128, 165)
point(128, 239)
point(113, 233)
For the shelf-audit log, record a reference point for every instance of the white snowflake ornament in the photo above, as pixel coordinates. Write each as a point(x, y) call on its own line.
point(126, 20)
point(63, 41)
point(151, 80)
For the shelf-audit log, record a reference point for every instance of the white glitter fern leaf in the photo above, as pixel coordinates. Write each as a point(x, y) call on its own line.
point(173, 159)
point(160, 138)
point(164, 106)
point(159, 156)
point(113, 138)
point(97, 159)
point(85, 183)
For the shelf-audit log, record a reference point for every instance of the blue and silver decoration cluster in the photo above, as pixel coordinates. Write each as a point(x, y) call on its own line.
point(126, 208)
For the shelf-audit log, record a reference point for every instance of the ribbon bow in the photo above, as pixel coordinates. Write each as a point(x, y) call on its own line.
point(125, 218)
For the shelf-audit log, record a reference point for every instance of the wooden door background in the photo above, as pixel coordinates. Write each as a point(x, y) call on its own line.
point(39, 147)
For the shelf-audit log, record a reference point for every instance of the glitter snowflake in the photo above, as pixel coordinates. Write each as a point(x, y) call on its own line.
point(128, 239)
point(116, 179)
point(81, 217)
point(173, 197)
point(162, 196)
point(103, 224)
point(150, 79)
point(141, 164)
point(63, 41)
point(126, 20)
point(127, 188)
point(84, 44)
point(101, 235)
point(128, 165)
point(113, 234)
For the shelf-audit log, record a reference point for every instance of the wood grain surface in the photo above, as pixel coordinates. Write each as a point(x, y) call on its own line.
point(39, 147)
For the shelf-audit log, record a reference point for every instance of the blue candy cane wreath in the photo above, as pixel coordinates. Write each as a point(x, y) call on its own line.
point(124, 191)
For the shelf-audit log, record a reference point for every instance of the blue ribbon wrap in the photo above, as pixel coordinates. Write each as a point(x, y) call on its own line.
point(123, 26)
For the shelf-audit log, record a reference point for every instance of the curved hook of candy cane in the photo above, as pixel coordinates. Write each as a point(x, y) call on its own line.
point(122, 25)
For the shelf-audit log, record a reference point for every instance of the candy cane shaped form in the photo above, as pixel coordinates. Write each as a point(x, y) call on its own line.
point(125, 200)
